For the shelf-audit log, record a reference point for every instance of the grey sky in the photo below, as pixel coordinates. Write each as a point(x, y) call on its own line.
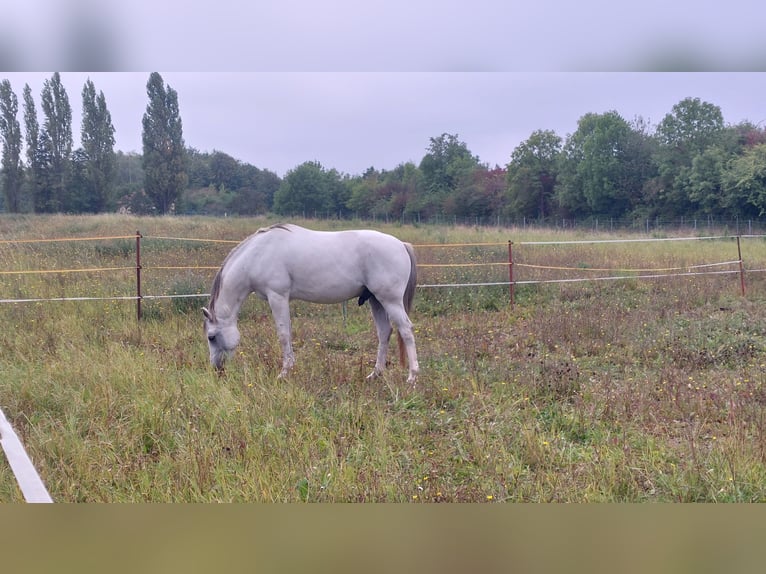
point(351, 121)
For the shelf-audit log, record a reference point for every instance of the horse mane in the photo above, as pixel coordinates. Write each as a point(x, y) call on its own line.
point(215, 290)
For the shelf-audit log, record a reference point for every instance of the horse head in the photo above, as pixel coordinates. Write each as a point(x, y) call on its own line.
point(222, 338)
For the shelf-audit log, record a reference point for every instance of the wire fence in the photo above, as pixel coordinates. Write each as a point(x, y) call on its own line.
point(512, 271)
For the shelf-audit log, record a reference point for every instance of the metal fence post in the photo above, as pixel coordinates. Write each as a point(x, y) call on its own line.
point(138, 274)
point(510, 273)
point(741, 268)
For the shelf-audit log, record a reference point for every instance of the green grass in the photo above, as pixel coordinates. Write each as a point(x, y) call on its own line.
point(611, 391)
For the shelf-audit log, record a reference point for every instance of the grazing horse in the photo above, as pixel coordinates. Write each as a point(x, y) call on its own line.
point(285, 262)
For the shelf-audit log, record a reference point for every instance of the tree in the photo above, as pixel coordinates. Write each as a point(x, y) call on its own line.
point(531, 175)
point(32, 137)
point(256, 194)
point(220, 184)
point(705, 180)
point(446, 166)
point(54, 146)
point(710, 185)
point(744, 180)
point(311, 190)
point(598, 175)
point(224, 171)
point(164, 158)
point(690, 128)
point(481, 195)
point(97, 136)
point(639, 168)
point(10, 132)
point(364, 191)
point(385, 193)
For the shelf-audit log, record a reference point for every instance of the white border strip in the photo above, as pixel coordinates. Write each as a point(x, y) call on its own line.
point(31, 484)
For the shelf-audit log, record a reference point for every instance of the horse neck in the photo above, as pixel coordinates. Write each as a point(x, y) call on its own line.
point(229, 300)
point(232, 292)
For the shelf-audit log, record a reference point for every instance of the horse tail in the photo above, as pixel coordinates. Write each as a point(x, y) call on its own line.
point(409, 295)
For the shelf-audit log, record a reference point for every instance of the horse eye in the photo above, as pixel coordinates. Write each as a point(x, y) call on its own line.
point(211, 338)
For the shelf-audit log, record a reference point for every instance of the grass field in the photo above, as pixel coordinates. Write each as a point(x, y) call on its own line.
point(614, 390)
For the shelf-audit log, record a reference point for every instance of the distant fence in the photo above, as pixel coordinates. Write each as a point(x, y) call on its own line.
point(734, 225)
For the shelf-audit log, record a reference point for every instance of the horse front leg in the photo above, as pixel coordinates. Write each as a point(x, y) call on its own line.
point(280, 310)
point(384, 329)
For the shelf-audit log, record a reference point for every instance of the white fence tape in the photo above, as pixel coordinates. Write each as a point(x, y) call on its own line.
point(31, 484)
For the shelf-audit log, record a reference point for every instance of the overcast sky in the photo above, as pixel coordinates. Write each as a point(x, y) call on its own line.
point(352, 121)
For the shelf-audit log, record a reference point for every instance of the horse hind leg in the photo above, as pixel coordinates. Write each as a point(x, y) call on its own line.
point(406, 337)
point(384, 329)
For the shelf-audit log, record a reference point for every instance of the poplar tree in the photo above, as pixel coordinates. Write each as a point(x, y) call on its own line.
point(55, 146)
point(10, 133)
point(98, 157)
point(164, 157)
point(32, 137)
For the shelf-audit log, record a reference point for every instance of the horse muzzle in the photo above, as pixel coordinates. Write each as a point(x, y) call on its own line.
point(217, 359)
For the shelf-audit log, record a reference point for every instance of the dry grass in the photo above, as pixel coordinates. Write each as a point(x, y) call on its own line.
point(609, 391)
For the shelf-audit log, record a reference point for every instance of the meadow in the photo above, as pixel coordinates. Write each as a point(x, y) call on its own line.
point(630, 390)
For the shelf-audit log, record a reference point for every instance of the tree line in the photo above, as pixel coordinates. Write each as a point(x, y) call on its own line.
point(689, 165)
point(52, 177)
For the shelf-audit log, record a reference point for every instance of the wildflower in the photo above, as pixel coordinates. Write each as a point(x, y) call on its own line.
point(490, 497)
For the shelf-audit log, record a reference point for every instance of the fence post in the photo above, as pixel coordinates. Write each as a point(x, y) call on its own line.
point(138, 274)
point(510, 273)
point(741, 268)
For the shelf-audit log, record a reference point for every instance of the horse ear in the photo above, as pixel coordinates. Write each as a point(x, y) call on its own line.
point(208, 315)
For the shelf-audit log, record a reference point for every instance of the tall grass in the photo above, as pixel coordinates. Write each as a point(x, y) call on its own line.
point(632, 390)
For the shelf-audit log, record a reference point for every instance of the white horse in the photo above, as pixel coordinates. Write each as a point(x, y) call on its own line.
point(285, 262)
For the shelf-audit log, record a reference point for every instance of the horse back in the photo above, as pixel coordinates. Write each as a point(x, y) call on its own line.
point(331, 266)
